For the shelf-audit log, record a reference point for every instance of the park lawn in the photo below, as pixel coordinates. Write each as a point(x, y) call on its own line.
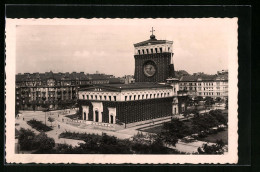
point(214, 137)
point(156, 129)
point(74, 116)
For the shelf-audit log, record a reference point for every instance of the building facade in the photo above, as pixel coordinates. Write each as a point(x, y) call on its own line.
point(154, 94)
point(205, 85)
point(39, 91)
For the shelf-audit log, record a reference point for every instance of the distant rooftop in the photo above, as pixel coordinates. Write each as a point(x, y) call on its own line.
point(60, 76)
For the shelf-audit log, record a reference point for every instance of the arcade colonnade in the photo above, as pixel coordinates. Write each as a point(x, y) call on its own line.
point(98, 113)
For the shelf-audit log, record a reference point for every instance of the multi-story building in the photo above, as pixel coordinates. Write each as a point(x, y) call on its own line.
point(38, 91)
point(205, 85)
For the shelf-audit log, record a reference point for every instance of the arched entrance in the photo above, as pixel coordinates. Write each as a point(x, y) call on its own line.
point(85, 116)
point(96, 115)
point(112, 119)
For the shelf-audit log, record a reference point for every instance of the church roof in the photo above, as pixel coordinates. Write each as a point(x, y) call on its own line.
point(151, 41)
point(134, 86)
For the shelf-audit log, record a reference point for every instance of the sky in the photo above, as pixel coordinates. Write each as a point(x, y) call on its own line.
point(106, 45)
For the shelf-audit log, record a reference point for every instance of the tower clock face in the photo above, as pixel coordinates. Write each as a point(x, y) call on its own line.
point(149, 68)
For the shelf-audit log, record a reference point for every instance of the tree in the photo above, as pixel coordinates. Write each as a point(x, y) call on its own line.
point(16, 110)
point(209, 102)
point(212, 149)
point(226, 104)
point(51, 120)
point(26, 138)
point(173, 131)
point(44, 142)
point(218, 99)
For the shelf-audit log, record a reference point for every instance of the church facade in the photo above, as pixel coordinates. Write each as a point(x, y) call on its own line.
point(154, 94)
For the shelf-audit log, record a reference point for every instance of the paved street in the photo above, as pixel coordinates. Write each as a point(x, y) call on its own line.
point(84, 128)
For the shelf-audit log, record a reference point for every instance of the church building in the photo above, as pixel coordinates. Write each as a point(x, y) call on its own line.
point(154, 94)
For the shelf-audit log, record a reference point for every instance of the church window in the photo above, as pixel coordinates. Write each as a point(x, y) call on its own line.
point(154, 95)
point(109, 98)
point(152, 51)
point(143, 51)
point(138, 97)
point(157, 94)
point(130, 97)
point(150, 96)
point(87, 96)
point(83, 96)
point(134, 97)
point(125, 98)
point(156, 50)
point(96, 97)
point(161, 94)
point(164, 94)
point(160, 50)
point(146, 96)
point(100, 97)
point(147, 51)
point(115, 98)
point(91, 96)
point(139, 52)
point(105, 97)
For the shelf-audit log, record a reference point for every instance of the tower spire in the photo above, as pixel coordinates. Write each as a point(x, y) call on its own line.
point(152, 36)
point(152, 30)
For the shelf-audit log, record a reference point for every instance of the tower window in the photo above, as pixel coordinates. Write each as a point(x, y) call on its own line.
point(139, 52)
point(155, 50)
point(152, 51)
point(160, 50)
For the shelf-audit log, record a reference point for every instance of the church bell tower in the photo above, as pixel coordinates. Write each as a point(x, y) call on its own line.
point(153, 60)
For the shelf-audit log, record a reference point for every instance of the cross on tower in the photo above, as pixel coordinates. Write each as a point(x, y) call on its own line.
point(152, 30)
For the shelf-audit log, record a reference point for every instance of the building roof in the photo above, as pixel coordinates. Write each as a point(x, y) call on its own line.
point(60, 76)
point(152, 41)
point(134, 86)
point(193, 78)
